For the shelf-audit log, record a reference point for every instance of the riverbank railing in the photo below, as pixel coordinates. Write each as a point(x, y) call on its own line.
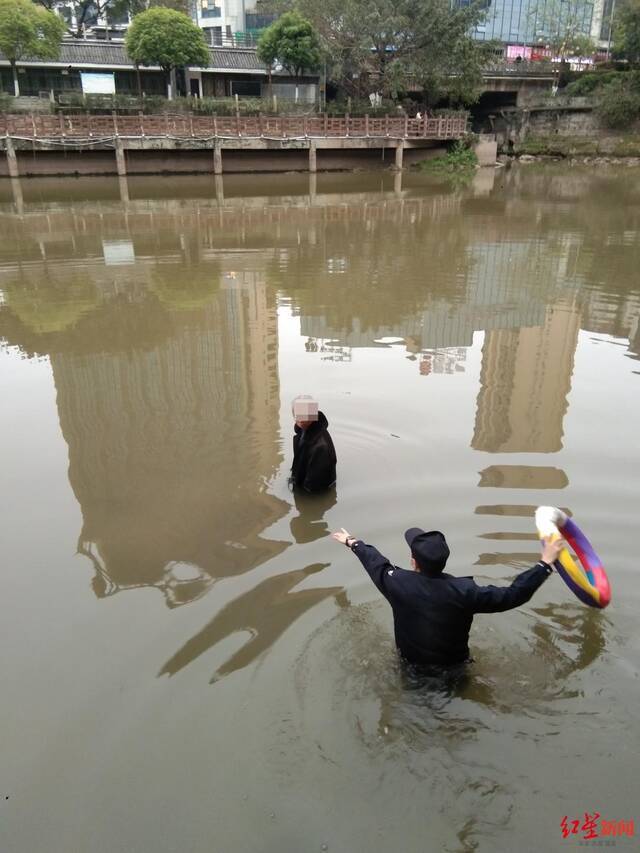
point(186, 126)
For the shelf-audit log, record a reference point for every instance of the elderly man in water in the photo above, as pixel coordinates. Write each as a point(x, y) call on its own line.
point(314, 456)
point(433, 610)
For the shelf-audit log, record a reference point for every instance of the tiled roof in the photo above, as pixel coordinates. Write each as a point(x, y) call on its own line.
point(110, 54)
point(240, 58)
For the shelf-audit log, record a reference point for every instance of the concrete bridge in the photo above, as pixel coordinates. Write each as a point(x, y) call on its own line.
point(512, 83)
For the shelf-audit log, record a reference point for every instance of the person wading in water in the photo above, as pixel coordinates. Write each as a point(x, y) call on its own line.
point(314, 456)
point(432, 610)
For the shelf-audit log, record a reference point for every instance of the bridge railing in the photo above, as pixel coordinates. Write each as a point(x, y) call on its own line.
point(181, 126)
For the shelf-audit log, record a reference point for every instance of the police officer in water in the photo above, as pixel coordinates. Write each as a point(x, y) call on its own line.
point(433, 610)
point(314, 456)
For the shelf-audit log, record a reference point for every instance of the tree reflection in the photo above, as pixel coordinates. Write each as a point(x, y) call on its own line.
point(53, 305)
point(185, 288)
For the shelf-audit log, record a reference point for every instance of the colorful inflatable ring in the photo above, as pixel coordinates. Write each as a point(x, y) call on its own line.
point(591, 586)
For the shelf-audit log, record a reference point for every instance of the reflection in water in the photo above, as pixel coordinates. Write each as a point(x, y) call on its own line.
point(524, 382)
point(265, 612)
point(309, 524)
point(55, 308)
point(160, 321)
point(158, 317)
point(514, 510)
point(523, 477)
point(575, 634)
point(145, 400)
point(518, 559)
point(428, 723)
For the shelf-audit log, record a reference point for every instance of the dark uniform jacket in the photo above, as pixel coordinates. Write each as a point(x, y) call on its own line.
point(432, 615)
point(314, 457)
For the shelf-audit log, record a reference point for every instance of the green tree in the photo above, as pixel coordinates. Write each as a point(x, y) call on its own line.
point(293, 42)
point(394, 46)
point(28, 32)
point(166, 38)
point(626, 31)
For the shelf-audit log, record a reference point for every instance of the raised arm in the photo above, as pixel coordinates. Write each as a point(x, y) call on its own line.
point(375, 564)
point(496, 599)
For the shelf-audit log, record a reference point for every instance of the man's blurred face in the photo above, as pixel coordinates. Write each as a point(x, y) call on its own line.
point(305, 413)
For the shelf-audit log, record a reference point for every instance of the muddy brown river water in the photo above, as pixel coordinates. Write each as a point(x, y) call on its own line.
point(189, 663)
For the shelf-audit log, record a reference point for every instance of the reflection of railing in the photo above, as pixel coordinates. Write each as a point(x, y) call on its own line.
point(203, 127)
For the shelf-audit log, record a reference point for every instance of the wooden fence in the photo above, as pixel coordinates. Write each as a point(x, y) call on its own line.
point(181, 126)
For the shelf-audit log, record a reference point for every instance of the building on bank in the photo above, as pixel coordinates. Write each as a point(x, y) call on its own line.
point(224, 22)
point(522, 24)
point(231, 71)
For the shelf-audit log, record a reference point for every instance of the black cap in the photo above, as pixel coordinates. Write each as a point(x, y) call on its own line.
point(429, 550)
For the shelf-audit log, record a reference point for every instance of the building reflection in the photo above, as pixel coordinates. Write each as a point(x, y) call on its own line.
point(168, 398)
point(524, 383)
point(170, 446)
point(160, 320)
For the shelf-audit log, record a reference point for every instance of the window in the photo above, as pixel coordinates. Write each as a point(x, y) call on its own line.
point(208, 9)
point(213, 36)
point(246, 88)
point(607, 16)
point(256, 21)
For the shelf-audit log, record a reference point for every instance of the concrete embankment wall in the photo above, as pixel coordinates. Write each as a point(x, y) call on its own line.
point(566, 128)
point(143, 162)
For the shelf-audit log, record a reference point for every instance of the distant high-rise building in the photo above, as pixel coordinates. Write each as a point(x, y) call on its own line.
point(525, 22)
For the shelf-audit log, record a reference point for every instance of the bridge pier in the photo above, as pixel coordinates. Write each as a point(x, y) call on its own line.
point(121, 162)
point(12, 160)
point(217, 159)
point(399, 153)
point(313, 163)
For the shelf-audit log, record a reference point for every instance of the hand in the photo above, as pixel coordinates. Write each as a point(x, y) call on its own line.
point(342, 535)
point(551, 550)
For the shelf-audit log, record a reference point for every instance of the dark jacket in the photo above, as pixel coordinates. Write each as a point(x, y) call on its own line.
point(314, 457)
point(432, 615)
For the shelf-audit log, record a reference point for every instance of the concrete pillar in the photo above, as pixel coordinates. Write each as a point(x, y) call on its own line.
point(313, 187)
point(12, 160)
point(217, 159)
point(219, 190)
point(399, 153)
point(312, 157)
point(121, 162)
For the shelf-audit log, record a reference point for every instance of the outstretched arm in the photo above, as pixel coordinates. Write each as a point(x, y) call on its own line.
point(496, 599)
point(375, 564)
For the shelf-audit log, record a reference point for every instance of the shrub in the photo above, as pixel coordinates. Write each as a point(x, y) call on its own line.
point(618, 104)
point(459, 158)
point(589, 82)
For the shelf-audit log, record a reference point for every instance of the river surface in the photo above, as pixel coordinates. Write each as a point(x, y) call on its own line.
point(189, 662)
